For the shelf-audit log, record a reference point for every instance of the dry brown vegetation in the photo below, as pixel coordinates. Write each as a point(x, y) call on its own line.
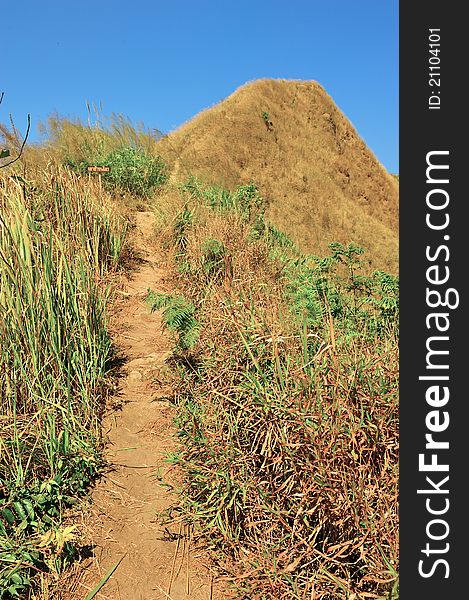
point(287, 406)
point(319, 178)
point(285, 356)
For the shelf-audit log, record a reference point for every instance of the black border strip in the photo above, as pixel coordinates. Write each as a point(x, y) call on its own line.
point(434, 418)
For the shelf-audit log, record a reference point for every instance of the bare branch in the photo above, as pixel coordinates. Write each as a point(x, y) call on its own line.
point(15, 132)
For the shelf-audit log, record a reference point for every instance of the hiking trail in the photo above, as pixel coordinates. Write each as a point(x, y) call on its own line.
point(155, 564)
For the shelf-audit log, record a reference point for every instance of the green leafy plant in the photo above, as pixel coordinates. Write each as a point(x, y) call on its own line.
point(267, 121)
point(57, 244)
point(178, 317)
point(134, 171)
point(249, 203)
point(302, 293)
point(215, 260)
point(275, 237)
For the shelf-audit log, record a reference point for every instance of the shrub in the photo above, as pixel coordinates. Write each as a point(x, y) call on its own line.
point(134, 171)
point(178, 317)
point(214, 256)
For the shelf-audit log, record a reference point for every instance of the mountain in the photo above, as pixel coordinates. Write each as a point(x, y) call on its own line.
point(322, 183)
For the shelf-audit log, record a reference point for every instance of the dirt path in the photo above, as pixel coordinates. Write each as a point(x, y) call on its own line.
point(126, 502)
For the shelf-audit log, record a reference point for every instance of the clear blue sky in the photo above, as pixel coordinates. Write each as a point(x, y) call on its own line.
point(161, 62)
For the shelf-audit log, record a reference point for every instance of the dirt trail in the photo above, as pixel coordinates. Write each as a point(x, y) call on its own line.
point(128, 498)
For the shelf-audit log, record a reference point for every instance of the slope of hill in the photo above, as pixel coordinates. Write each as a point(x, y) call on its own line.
point(320, 180)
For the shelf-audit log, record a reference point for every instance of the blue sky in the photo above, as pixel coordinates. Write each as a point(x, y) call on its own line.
point(161, 62)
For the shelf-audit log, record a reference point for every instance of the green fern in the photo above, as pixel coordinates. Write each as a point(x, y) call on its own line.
point(275, 237)
point(214, 258)
point(178, 317)
point(302, 293)
point(183, 222)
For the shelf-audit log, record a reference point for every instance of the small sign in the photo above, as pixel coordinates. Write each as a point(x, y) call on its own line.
point(98, 168)
point(4, 153)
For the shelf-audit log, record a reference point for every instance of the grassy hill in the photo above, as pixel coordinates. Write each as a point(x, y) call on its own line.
point(320, 180)
point(284, 369)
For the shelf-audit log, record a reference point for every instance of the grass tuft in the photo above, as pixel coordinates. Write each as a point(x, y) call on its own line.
point(59, 243)
point(287, 406)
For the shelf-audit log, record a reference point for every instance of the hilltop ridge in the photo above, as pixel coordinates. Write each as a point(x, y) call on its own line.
point(322, 183)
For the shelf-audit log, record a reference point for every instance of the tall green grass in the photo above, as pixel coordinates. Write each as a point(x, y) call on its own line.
point(59, 241)
point(135, 166)
point(101, 135)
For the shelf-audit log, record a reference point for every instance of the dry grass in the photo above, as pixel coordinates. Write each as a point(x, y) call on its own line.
point(60, 242)
point(288, 426)
point(321, 181)
point(287, 404)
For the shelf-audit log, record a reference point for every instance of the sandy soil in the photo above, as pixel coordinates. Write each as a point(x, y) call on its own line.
point(157, 561)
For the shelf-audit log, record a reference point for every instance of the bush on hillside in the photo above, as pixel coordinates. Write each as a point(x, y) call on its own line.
point(215, 257)
point(135, 172)
point(131, 171)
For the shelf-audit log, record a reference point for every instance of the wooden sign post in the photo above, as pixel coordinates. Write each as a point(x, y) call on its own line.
point(98, 169)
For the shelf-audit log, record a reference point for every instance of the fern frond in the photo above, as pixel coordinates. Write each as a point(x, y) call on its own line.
point(178, 317)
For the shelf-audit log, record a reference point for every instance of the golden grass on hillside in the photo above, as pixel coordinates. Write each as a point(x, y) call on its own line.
point(73, 139)
point(321, 181)
point(287, 404)
point(287, 408)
